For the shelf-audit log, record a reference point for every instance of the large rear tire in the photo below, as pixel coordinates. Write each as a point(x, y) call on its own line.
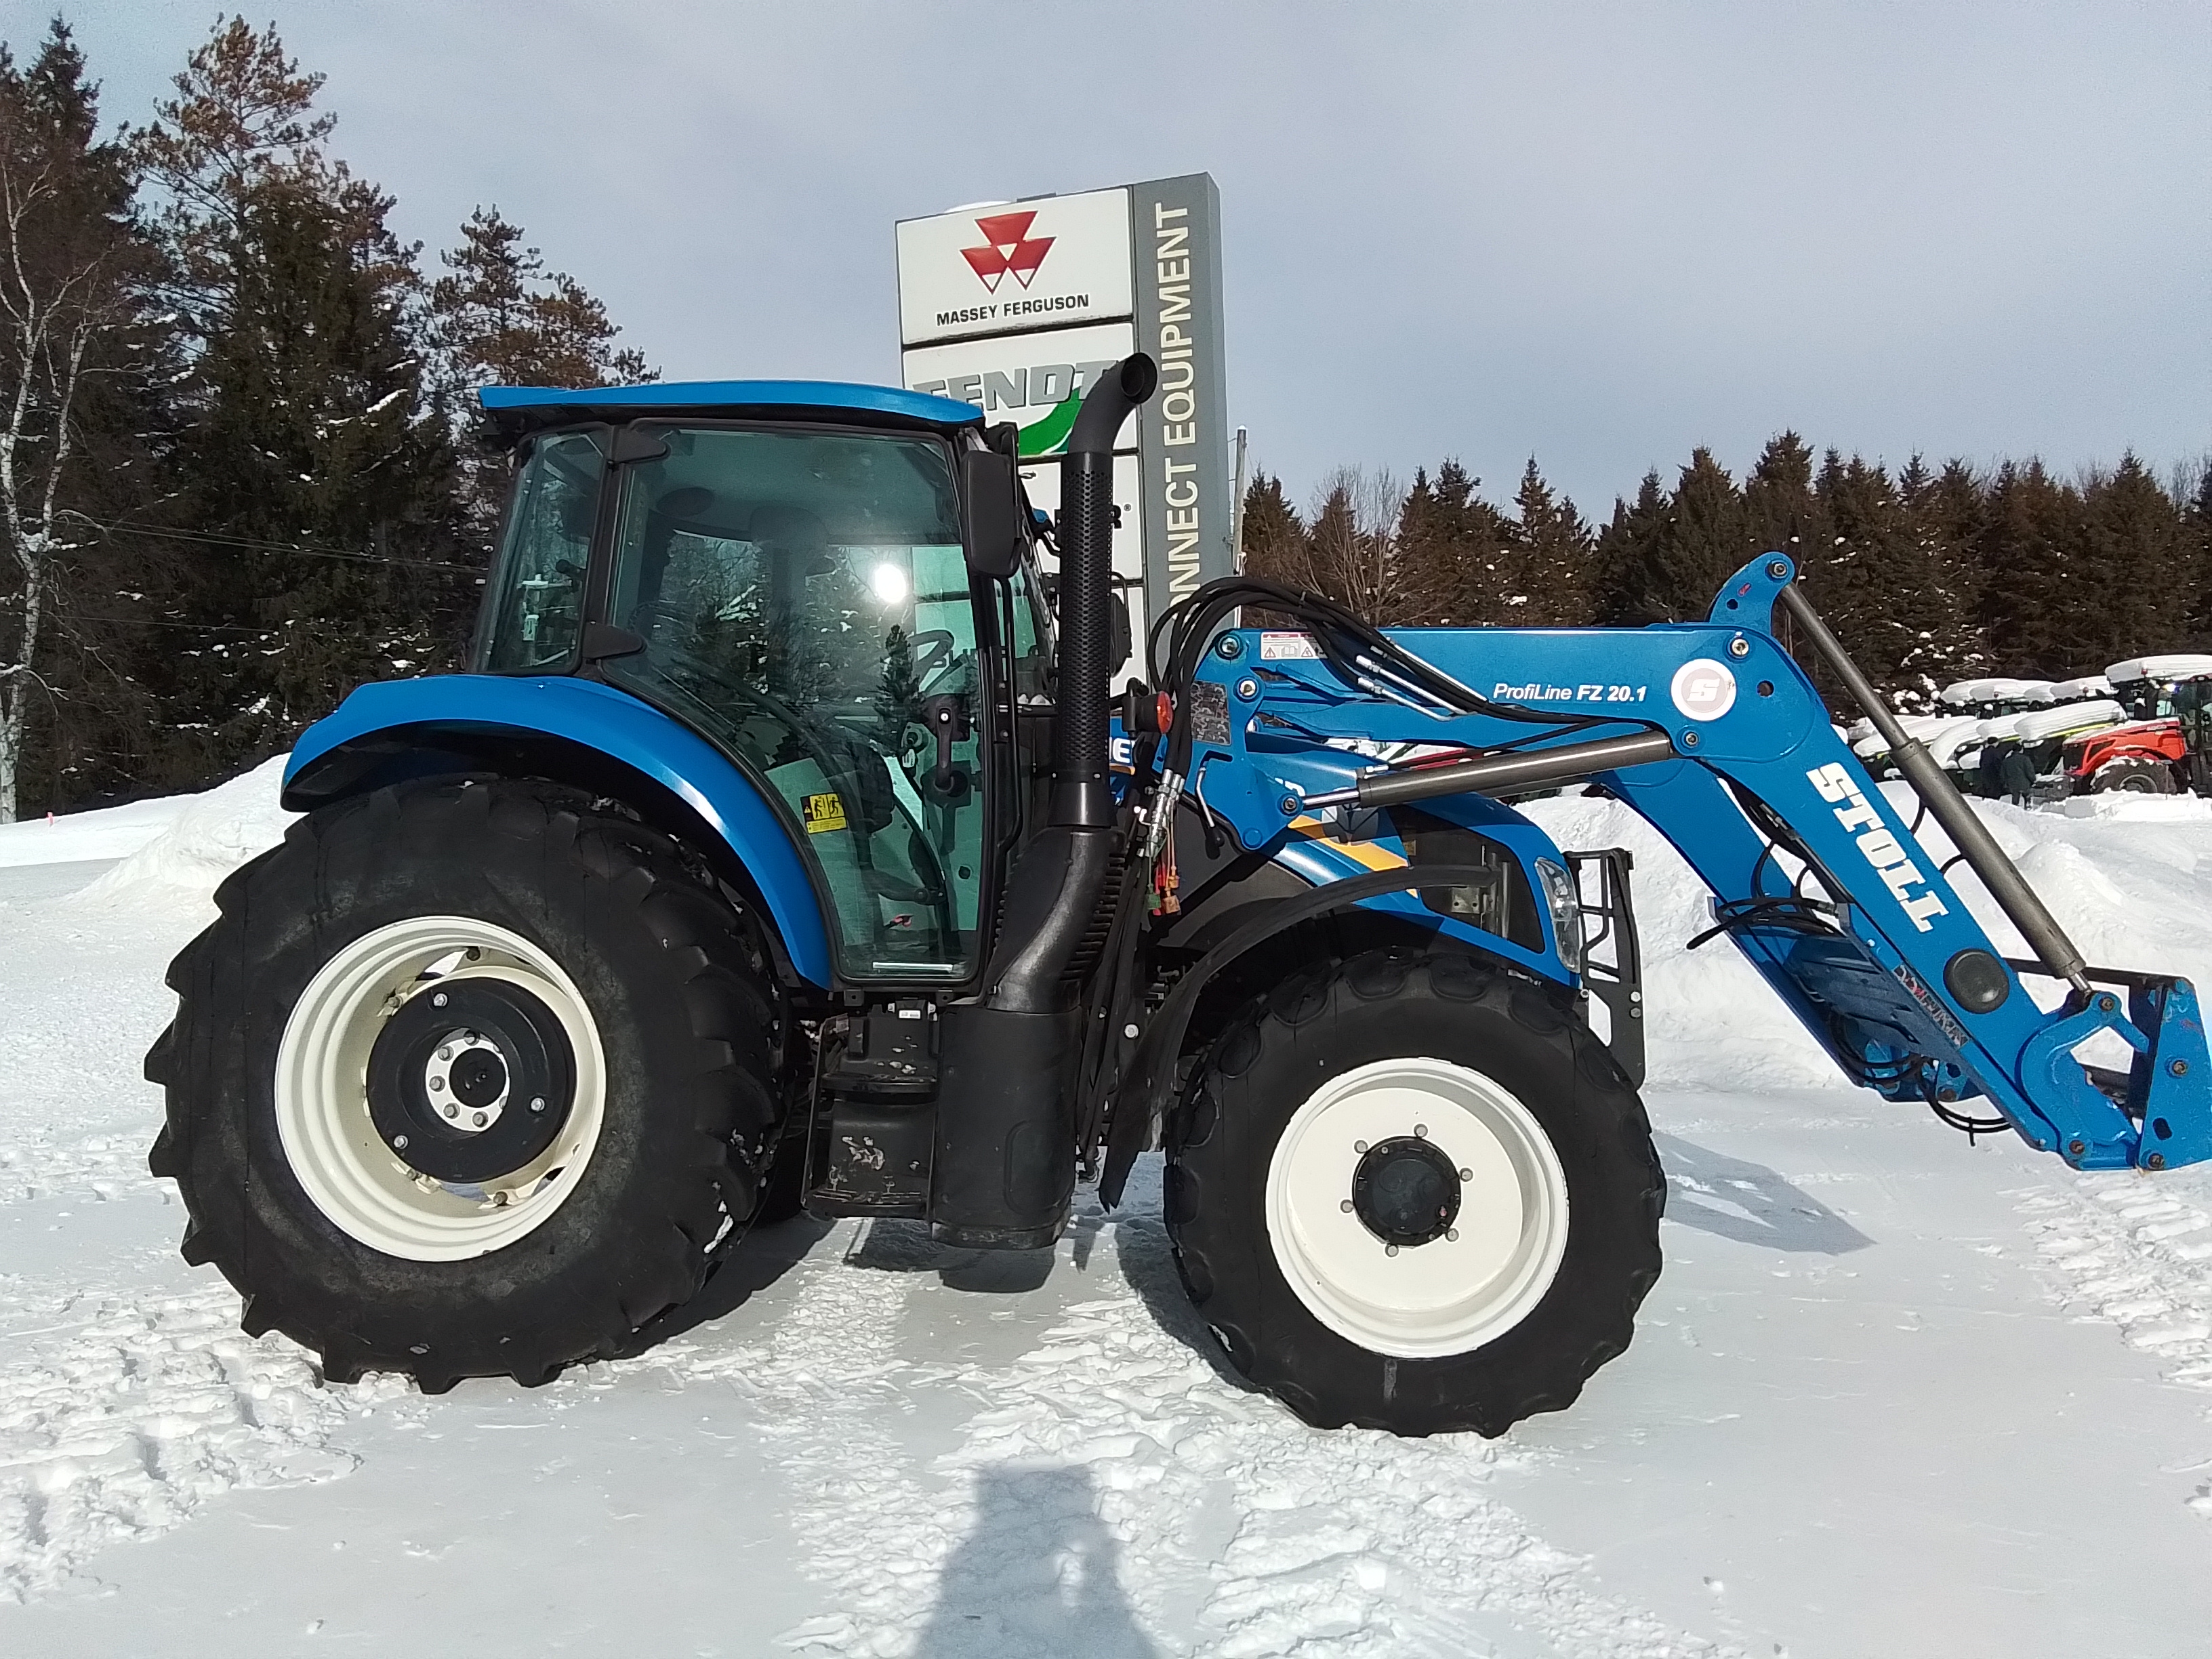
point(465, 1080)
point(1413, 1192)
point(2134, 775)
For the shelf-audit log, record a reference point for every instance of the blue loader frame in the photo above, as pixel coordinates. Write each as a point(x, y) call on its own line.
point(1744, 721)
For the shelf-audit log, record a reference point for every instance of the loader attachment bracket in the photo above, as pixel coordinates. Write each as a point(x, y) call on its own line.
point(2168, 1083)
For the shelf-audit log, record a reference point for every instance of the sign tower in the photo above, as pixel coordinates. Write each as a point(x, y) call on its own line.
point(1014, 306)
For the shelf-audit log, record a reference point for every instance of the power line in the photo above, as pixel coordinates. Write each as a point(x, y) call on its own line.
point(216, 539)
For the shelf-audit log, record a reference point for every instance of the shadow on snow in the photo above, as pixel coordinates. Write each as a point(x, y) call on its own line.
point(1749, 1203)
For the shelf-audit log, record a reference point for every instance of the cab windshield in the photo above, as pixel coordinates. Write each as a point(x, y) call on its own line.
point(804, 601)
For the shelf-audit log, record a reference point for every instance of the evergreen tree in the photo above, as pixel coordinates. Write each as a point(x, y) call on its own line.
point(1550, 556)
point(2029, 600)
point(1455, 563)
point(1884, 597)
point(1274, 535)
point(1622, 561)
point(500, 318)
point(898, 695)
point(1782, 514)
point(2197, 529)
point(1668, 557)
point(1941, 513)
point(2134, 557)
point(1705, 540)
point(315, 469)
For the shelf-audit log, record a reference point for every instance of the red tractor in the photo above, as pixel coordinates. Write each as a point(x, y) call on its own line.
point(2166, 748)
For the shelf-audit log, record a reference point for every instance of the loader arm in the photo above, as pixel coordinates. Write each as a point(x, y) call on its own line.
point(1816, 877)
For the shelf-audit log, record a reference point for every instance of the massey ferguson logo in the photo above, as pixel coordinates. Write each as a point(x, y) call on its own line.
point(1878, 844)
point(1008, 250)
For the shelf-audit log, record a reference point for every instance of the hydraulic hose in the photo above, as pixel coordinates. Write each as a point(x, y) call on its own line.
point(1968, 833)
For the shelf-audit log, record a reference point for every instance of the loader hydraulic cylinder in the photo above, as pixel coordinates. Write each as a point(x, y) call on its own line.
point(1968, 834)
point(1492, 774)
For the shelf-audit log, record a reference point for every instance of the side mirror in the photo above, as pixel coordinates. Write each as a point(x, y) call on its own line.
point(991, 512)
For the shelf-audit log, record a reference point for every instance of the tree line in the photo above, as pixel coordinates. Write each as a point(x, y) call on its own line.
point(240, 471)
point(1928, 575)
point(239, 468)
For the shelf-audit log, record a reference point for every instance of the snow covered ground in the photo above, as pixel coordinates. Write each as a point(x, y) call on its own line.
point(1894, 1395)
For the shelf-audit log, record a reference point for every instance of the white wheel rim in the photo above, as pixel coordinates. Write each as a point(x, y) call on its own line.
point(1454, 1293)
point(323, 1117)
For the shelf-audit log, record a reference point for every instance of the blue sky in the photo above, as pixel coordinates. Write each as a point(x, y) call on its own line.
point(1599, 234)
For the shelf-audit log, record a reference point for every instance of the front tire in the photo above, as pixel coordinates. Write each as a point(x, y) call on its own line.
point(464, 1080)
point(1410, 1191)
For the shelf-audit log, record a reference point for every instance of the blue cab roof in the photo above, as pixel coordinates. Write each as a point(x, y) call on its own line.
point(826, 395)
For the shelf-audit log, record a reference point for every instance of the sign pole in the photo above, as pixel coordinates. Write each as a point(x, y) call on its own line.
point(1236, 510)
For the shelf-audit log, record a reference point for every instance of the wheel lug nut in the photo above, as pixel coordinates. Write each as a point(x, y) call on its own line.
point(399, 1143)
point(1451, 1235)
point(1420, 1131)
point(437, 1083)
point(446, 1053)
point(439, 999)
point(1345, 1207)
point(1467, 1175)
point(1390, 1250)
point(1358, 1146)
point(479, 1120)
point(452, 1110)
point(537, 1103)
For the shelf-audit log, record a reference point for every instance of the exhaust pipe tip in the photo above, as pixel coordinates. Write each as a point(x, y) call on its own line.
point(1141, 377)
point(1122, 388)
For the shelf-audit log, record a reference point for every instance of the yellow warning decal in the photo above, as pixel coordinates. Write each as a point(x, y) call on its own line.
point(1364, 852)
point(822, 812)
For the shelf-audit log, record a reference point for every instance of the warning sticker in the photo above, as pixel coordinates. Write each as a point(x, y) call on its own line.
point(1276, 648)
point(822, 812)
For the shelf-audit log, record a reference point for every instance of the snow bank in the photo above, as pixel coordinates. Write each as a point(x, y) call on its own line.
point(2127, 880)
point(211, 835)
point(1709, 1019)
point(112, 832)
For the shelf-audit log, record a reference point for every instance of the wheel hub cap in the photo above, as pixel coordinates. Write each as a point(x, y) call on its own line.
point(1406, 1192)
point(470, 1081)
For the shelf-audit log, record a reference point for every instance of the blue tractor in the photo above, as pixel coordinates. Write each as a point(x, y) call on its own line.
point(785, 848)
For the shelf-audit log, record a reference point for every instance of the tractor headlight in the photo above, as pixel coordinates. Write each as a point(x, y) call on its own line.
point(1566, 907)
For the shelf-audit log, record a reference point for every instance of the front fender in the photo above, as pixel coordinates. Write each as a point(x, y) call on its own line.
point(596, 717)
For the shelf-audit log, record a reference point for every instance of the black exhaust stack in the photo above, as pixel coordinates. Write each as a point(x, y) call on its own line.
point(1005, 1165)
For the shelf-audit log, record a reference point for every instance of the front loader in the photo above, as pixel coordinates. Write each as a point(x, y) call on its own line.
point(781, 850)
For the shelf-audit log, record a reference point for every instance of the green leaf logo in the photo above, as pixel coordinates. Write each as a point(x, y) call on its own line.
point(1049, 436)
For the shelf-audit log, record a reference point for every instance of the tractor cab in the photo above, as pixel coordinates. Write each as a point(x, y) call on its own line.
point(2192, 709)
point(783, 570)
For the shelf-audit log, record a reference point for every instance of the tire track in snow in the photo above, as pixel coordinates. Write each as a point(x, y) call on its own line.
point(823, 1383)
point(140, 1413)
point(1076, 1500)
point(93, 1169)
point(2136, 1249)
point(1349, 1542)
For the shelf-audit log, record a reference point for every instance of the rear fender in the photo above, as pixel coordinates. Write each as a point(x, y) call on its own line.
point(579, 732)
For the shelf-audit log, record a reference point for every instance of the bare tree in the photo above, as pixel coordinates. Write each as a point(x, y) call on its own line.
point(1349, 551)
point(71, 268)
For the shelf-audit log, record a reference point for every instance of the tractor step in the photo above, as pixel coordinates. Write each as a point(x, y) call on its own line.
point(875, 1120)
